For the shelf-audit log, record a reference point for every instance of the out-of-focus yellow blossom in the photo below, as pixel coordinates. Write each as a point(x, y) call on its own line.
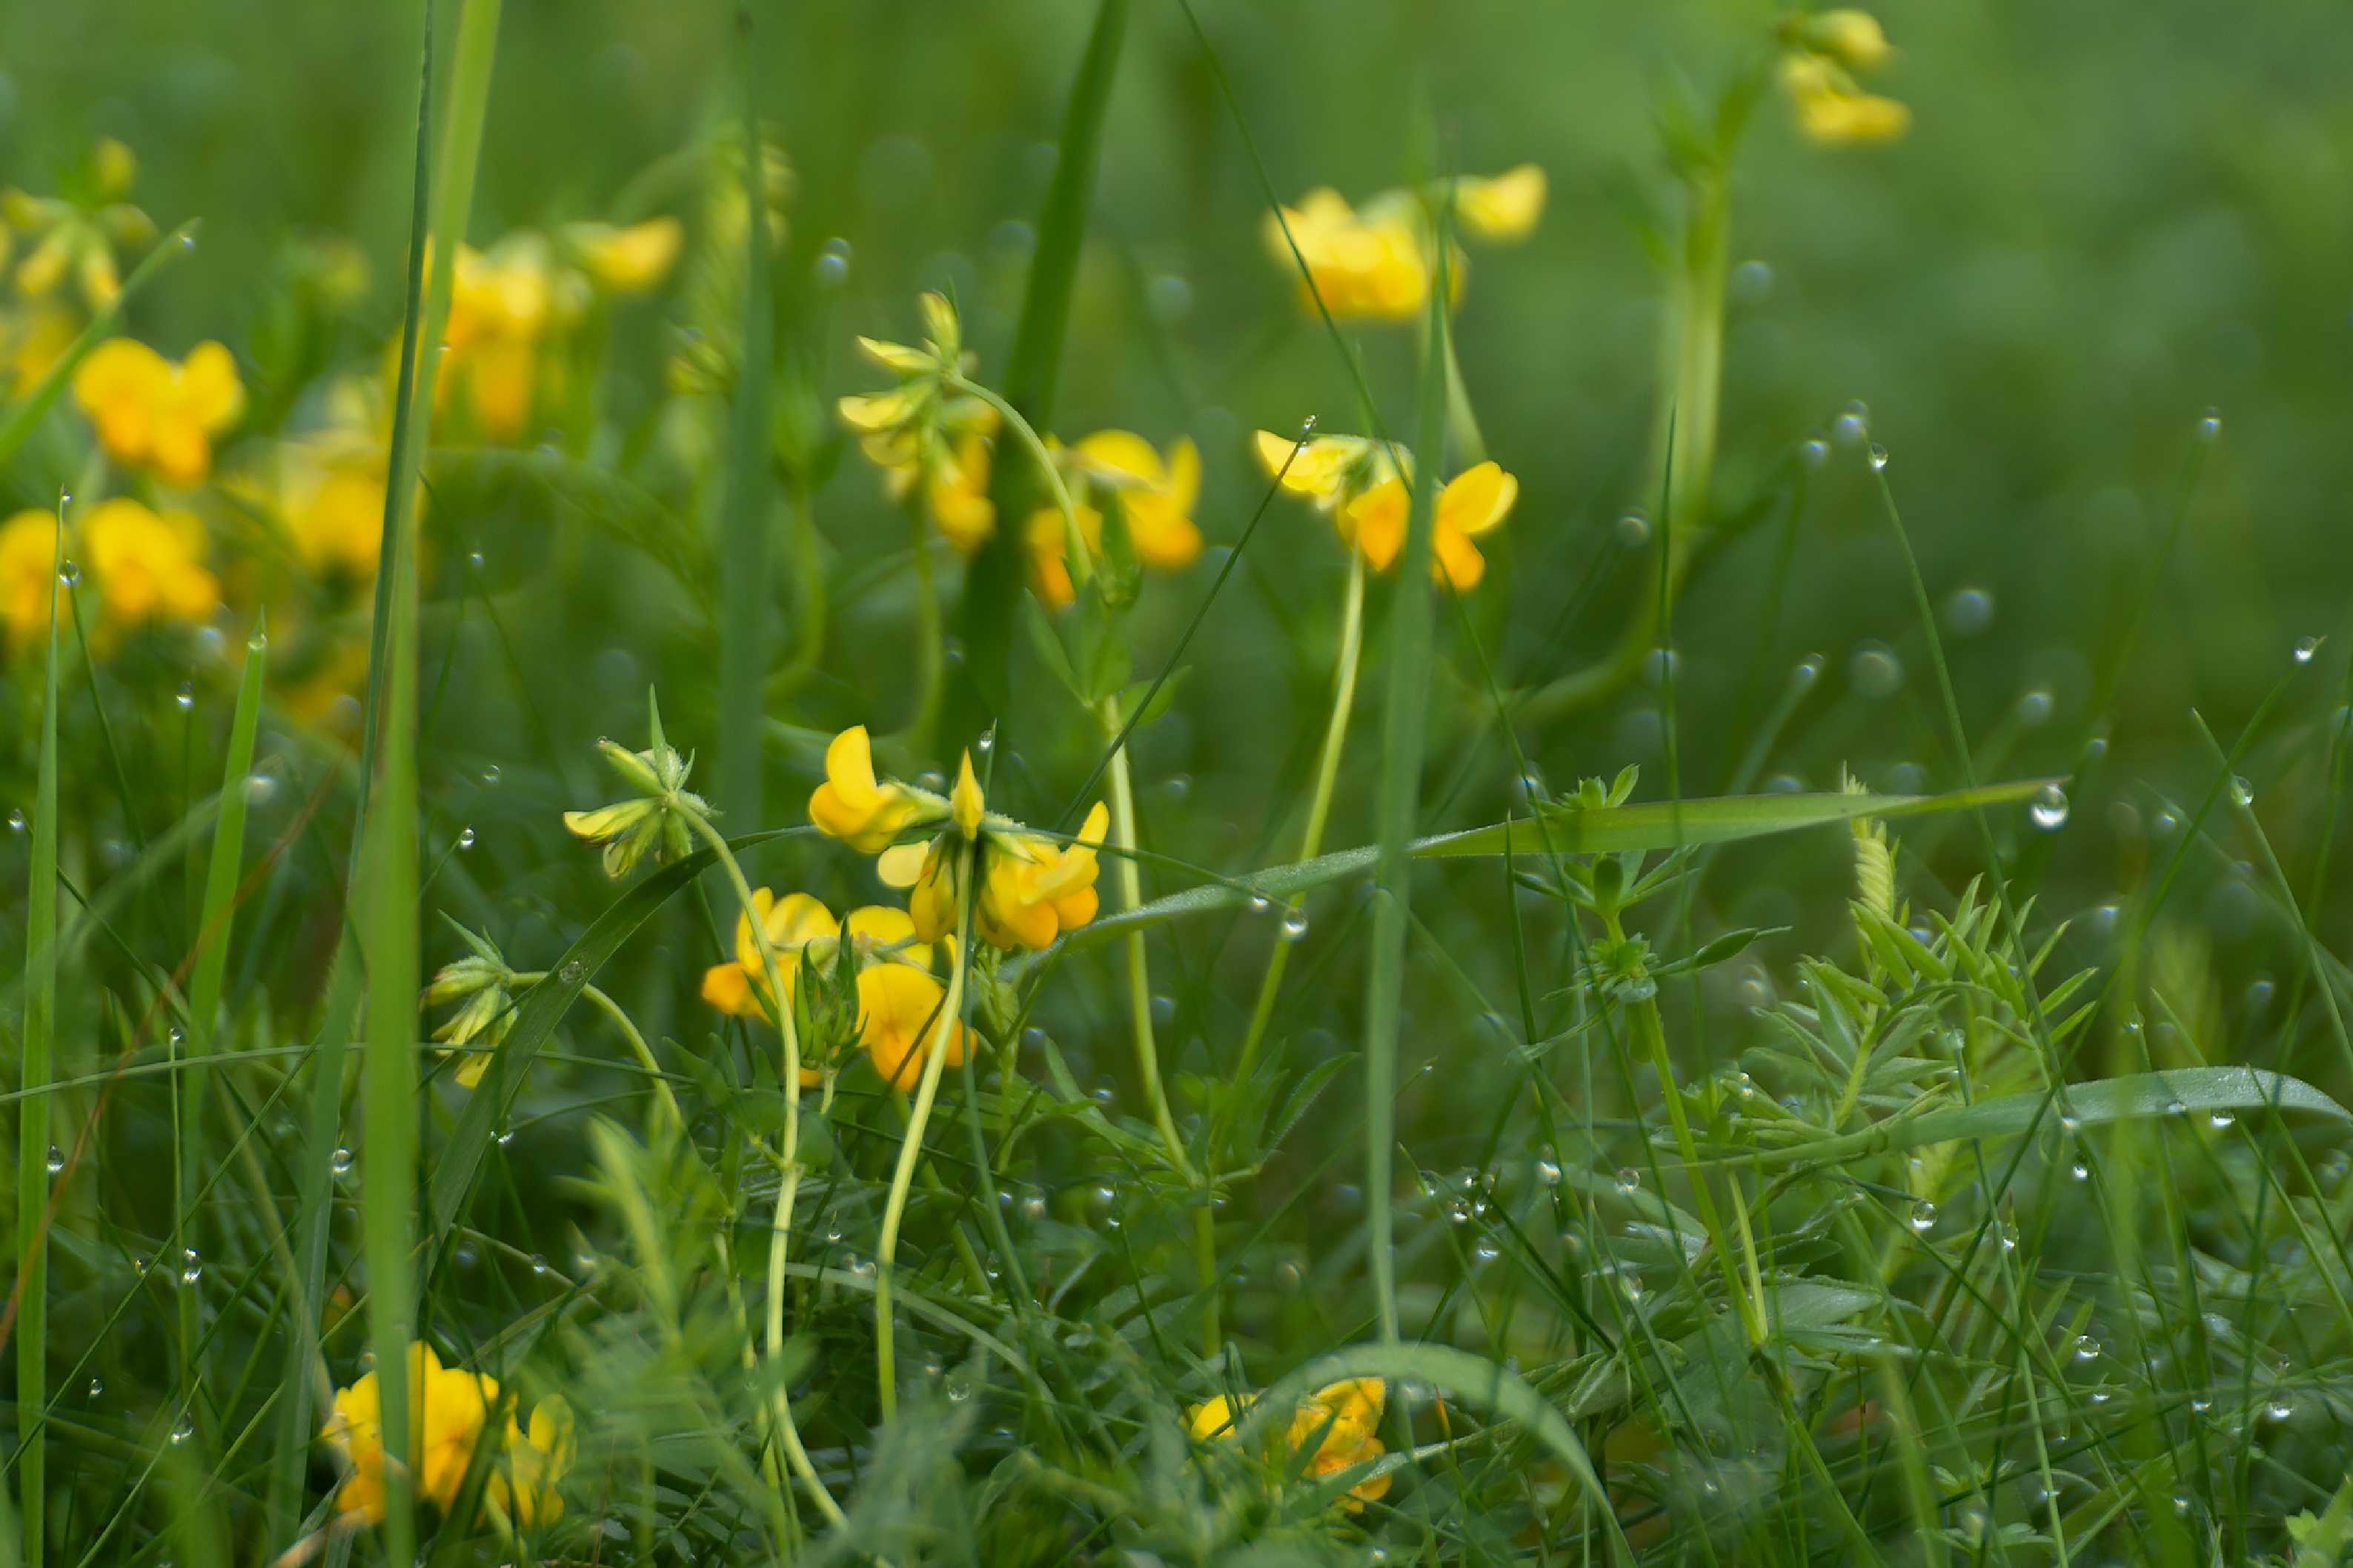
point(33, 338)
point(28, 564)
point(1825, 51)
point(149, 565)
point(448, 1414)
point(897, 997)
point(631, 260)
point(1474, 501)
point(1332, 470)
point(926, 433)
point(482, 983)
point(153, 413)
point(1503, 208)
point(1032, 888)
point(1376, 260)
point(328, 486)
point(76, 237)
point(1156, 498)
point(1339, 1419)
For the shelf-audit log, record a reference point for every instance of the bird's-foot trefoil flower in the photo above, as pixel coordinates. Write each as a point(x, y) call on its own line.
point(1333, 1428)
point(1823, 53)
point(1377, 261)
point(655, 818)
point(148, 566)
point(1367, 486)
point(483, 984)
point(450, 1413)
point(1153, 497)
point(929, 436)
point(158, 413)
point(1031, 887)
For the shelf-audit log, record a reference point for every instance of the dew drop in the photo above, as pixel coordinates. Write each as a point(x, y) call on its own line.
point(1163, 1010)
point(2087, 1348)
point(17, 820)
point(986, 743)
point(1874, 671)
point(538, 1265)
point(466, 838)
point(1294, 924)
point(2181, 1505)
point(1814, 452)
point(192, 1267)
point(185, 697)
point(97, 1387)
point(2047, 809)
point(2210, 424)
point(2305, 648)
point(2034, 707)
point(56, 1161)
point(2242, 791)
point(1033, 1206)
point(1878, 456)
point(490, 776)
point(2202, 1407)
point(1259, 903)
point(2175, 1108)
point(1629, 1178)
point(505, 1135)
point(1967, 612)
point(69, 573)
point(183, 1428)
point(259, 788)
point(342, 1162)
point(573, 972)
point(1852, 428)
point(2280, 1408)
point(1547, 1170)
point(2220, 1119)
point(2079, 1171)
point(1924, 1218)
point(1634, 531)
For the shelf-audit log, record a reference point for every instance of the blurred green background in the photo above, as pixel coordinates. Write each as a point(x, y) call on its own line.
point(2109, 216)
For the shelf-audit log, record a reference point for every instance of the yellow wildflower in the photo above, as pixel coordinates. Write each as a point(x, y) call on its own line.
point(1032, 888)
point(1339, 1419)
point(148, 565)
point(32, 340)
point(1826, 51)
point(898, 998)
point(657, 817)
point(1358, 264)
point(631, 260)
point(331, 485)
point(449, 1414)
point(1155, 500)
point(482, 983)
point(927, 434)
point(1331, 470)
point(1474, 501)
point(1503, 207)
point(29, 559)
point(152, 413)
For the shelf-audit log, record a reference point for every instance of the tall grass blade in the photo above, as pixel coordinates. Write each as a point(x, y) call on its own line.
point(33, 1116)
point(993, 587)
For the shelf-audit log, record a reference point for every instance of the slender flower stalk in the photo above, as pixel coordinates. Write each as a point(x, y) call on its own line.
point(781, 1408)
point(1319, 805)
point(911, 1148)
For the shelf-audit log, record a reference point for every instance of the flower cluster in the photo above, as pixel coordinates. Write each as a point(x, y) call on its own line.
point(1823, 53)
point(159, 414)
point(928, 435)
point(1378, 261)
point(1030, 888)
point(147, 568)
point(894, 1004)
point(452, 1414)
point(482, 983)
point(1334, 1426)
point(656, 818)
point(61, 257)
point(1366, 486)
point(516, 309)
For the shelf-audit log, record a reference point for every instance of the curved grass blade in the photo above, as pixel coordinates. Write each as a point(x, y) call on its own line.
point(2137, 1097)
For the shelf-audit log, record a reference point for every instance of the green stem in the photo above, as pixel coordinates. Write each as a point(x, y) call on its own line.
point(928, 661)
point(910, 1148)
point(1319, 805)
point(1074, 542)
point(780, 1409)
point(1139, 971)
point(638, 1049)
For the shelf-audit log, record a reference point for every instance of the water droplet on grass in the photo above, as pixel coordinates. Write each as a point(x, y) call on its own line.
point(185, 697)
point(2047, 809)
point(2305, 647)
point(2087, 1348)
point(342, 1162)
point(2220, 1119)
point(1923, 1217)
point(2242, 791)
point(2210, 424)
point(1878, 456)
point(192, 1267)
point(1874, 671)
point(183, 1428)
point(1294, 924)
point(466, 838)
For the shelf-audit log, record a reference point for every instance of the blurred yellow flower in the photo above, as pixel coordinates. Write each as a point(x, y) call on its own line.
point(28, 562)
point(33, 338)
point(1376, 260)
point(631, 260)
point(1473, 502)
point(449, 1411)
point(148, 565)
point(1155, 499)
point(1332, 470)
point(1826, 51)
point(152, 413)
point(1339, 1419)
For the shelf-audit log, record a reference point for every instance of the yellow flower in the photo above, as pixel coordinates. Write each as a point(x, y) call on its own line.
point(1503, 207)
point(481, 983)
point(147, 565)
point(1826, 48)
point(659, 818)
point(851, 805)
point(1155, 499)
point(1032, 888)
point(33, 339)
point(928, 435)
point(1331, 470)
point(1358, 264)
point(1473, 502)
point(522, 1478)
point(631, 260)
point(447, 1409)
point(154, 413)
point(897, 997)
point(28, 564)
point(1339, 1419)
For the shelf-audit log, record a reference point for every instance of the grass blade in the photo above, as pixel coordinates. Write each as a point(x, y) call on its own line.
point(744, 592)
point(33, 1117)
